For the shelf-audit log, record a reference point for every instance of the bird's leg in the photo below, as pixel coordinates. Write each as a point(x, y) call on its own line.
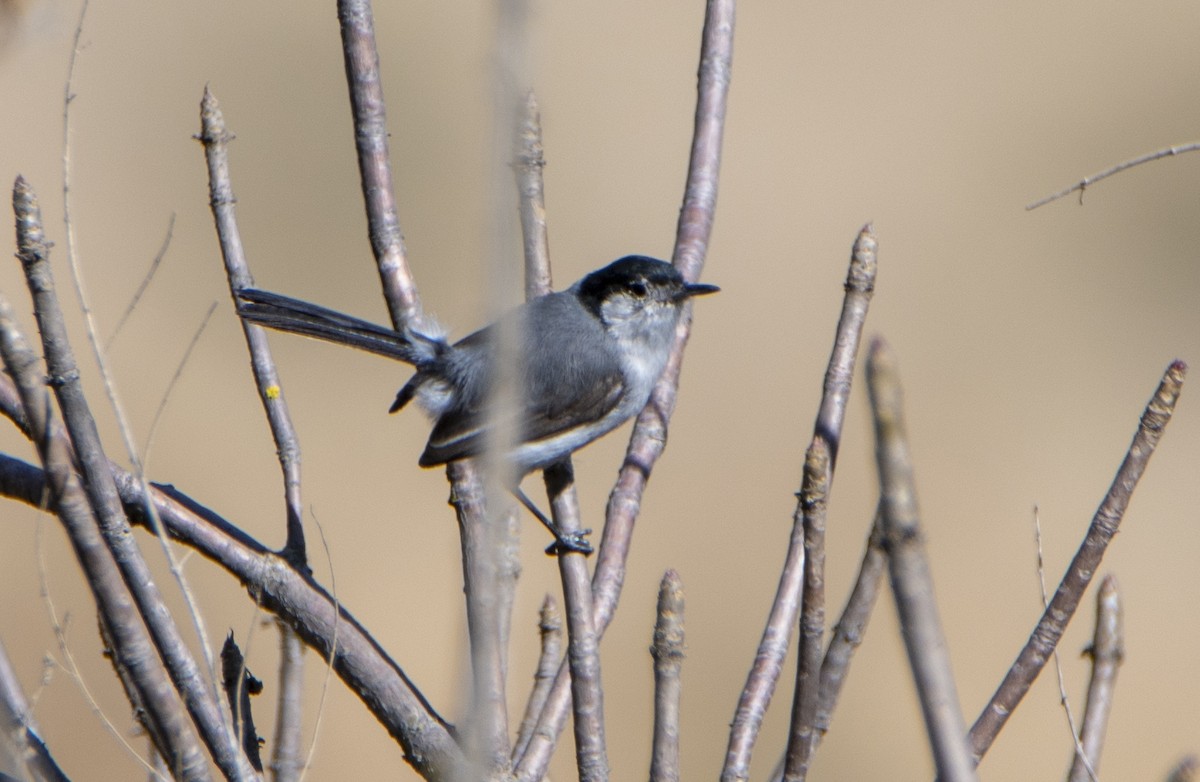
point(574, 541)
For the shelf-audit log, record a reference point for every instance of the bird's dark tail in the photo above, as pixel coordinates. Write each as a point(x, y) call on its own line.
point(300, 317)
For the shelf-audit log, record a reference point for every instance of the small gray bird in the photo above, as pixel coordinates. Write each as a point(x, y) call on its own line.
point(589, 357)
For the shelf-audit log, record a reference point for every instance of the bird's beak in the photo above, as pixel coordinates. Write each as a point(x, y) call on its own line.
point(696, 289)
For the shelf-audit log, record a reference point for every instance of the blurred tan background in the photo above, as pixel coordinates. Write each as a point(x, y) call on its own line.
point(1028, 342)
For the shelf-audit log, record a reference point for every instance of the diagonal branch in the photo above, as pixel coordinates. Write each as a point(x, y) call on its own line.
point(1053, 623)
point(768, 661)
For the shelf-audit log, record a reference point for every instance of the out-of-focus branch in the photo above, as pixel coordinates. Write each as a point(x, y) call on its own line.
point(768, 661)
point(1185, 770)
point(667, 651)
point(532, 200)
point(649, 433)
point(582, 635)
point(1049, 630)
point(287, 762)
point(912, 582)
point(1107, 651)
point(487, 734)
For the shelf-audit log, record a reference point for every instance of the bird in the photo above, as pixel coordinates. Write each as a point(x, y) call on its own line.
point(587, 359)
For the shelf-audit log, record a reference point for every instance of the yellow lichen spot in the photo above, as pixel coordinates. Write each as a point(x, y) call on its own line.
point(272, 391)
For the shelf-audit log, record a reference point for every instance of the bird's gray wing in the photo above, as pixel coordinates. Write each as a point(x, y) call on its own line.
point(573, 383)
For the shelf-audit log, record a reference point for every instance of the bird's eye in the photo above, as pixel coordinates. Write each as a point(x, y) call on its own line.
point(638, 288)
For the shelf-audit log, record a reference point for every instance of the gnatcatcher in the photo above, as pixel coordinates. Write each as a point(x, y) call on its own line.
point(589, 357)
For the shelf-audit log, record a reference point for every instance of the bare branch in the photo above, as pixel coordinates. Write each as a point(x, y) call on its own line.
point(550, 630)
point(848, 632)
point(912, 582)
point(375, 167)
point(239, 685)
point(487, 734)
point(147, 683)
point(1058, 671)
point(215, 138)
point(667, 652)
point(285, 762)
point(1046, 635)
point(1086, 182)
point(532, 203)
point(102, 496)
point(583, 636)
point(768, 662)
point(20, 727)
point(1107, 652)
point(357, 658)
point(813, 498)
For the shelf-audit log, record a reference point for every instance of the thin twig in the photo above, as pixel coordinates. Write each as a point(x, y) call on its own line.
point(667, 651)
point(1058, 670)
point(335, 648)
point(649, 433)
point(144, 284)
point(1062, 687)
point(1107, 652)
point(70, 666)
point(550, 634)
point(768, 661)
point(814, 497)
point(1049, 630)
point(912, 582)
point(1087, 182)
point(166, 396)
point(21, 728)
point(582, 635)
